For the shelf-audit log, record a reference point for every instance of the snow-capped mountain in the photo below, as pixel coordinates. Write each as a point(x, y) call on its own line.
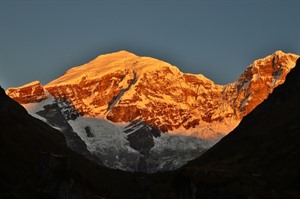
point(140, 113)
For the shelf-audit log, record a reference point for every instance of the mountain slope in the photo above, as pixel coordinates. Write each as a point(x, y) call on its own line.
point(123, 87)
point(261, 157)
point(140, 113)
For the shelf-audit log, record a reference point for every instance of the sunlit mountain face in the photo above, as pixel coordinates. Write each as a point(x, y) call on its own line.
point(258, 159)
point(142, 114)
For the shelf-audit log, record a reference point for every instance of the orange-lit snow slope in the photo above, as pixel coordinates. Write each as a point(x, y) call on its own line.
point(122, 87)
point(142, 114)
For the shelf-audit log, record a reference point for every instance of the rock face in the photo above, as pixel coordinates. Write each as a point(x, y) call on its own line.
point(123, 87)
point(140, 136)
point(145, 98)
point(29, 93)
point(258, 80)
point(58, 118)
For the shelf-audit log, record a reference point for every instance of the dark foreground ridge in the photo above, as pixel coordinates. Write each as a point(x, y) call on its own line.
point(259, 159)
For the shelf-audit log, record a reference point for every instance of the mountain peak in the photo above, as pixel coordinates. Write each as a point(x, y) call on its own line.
point(117, 55)
point(123, 87)
point(122, 97)
point(279, 52)
point(122, 61)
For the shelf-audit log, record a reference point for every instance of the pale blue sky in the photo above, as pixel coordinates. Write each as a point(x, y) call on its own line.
point(42, 39)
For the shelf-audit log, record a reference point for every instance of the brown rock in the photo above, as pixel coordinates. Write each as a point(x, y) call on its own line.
point(29, 93)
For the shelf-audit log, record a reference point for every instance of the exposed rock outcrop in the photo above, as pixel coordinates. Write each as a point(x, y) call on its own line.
point(29, 93)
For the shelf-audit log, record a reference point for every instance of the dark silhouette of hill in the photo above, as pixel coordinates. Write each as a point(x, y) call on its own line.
point(258, 159)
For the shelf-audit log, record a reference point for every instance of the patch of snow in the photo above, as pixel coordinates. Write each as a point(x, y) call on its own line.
point(173, 151)
point(255, 77)
point(209, 131)
point(108, 142)
point(246, 85)
point(179, 142)
point(121, 93)
point(33, 108)
point(245, 101)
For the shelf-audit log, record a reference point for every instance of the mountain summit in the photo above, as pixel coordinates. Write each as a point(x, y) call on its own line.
point(122, 99)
